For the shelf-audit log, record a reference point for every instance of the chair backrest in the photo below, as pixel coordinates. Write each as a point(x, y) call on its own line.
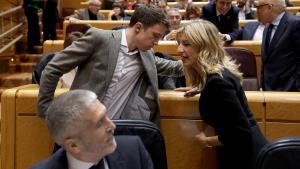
point(280, 154)
point(42, 63)
point(80, 27)
point(150, 136)
point(246, 59)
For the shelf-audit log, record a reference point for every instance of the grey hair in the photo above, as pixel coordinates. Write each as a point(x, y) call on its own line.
point(65, 112)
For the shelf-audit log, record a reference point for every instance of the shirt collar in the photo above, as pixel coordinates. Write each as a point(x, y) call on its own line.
point(124, 44)
point(277, 20)
point(218, 13)
point(77, 164)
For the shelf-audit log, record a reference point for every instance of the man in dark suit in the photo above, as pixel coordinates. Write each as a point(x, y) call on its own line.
point(225, 16)
point(78, 122)
point(280, 47)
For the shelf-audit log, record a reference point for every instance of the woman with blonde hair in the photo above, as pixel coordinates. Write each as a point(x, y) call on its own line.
point(223, 106)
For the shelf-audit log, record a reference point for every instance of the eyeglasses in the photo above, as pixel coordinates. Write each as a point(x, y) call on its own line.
point(259, 6)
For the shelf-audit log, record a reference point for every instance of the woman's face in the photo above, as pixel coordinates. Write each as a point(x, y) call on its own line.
point(188, 53)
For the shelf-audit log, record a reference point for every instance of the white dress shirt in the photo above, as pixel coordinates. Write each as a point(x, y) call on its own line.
point(127, 72)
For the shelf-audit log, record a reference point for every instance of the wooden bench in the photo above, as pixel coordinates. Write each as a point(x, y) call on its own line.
point(201, 4)
point(282, 114)
point(25, 139)
point(170, 47)
point(108, 25)
point(198, 4)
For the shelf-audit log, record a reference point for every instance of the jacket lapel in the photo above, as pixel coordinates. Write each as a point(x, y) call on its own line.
point(278, 34)
point(113, 52)
point(115, 160)
point(148, 63)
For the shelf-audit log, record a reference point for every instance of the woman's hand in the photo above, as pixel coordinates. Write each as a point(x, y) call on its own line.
point(203, 140)
point(208, 138)
point(189, 91)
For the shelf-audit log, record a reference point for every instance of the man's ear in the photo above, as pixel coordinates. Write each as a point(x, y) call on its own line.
point(138, 27)
point(72, 146)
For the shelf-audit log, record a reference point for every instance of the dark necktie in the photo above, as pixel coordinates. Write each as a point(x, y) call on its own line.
point(221, 18)
point(100, 165)
point(268, 38)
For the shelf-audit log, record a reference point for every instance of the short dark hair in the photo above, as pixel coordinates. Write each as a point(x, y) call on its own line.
point(149, 15)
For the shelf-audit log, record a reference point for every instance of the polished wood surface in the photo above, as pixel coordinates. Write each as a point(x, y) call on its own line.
point(170, 47)
point(108, 25)
point(53, 46)
point(276, 130)
point(33, 142)
point(282, 106)
point(183, 150)
point(25, 139)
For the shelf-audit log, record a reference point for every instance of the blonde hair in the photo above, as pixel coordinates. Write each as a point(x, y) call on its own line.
point(212, 58)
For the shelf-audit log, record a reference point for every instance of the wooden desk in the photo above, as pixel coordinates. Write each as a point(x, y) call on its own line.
point(25, 139)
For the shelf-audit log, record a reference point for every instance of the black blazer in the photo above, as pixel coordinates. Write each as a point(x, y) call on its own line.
point(281, 66)
point(248, 31)
point(230, 23)
point(130, 154)
point(223, 105)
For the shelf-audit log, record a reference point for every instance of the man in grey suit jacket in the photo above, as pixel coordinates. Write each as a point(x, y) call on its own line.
point(78, 122)
point(89, 13)
point(281, 53)
point(117, 65)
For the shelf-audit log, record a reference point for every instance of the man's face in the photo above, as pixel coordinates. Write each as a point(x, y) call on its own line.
point(223, 6)
point(94, 8)
point(146, 38)
point(174, 19)
point(263, 11)
point(97, 139)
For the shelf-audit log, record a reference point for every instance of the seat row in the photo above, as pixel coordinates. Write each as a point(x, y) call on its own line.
point(25, 139)
point(170, 47)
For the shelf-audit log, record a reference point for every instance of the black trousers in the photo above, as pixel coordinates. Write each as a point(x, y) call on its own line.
point(33, 34)
point(50, 18)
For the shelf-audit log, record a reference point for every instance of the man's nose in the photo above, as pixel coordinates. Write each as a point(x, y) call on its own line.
point(111, 126)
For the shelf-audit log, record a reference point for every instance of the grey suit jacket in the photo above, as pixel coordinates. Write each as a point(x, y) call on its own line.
point(96, 56)
point(281, 66)
point(83, 14)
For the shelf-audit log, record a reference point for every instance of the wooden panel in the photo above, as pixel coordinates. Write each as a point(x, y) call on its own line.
point(189, 108)
point(8, 122)
point(275, 130)
point(71, 4)
point(26, 101)
point(295, 2)
point(282, 106)
point(185, 107)
point(8, 128)
point(183, 151)
point(31, 136)
point(52, 46)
